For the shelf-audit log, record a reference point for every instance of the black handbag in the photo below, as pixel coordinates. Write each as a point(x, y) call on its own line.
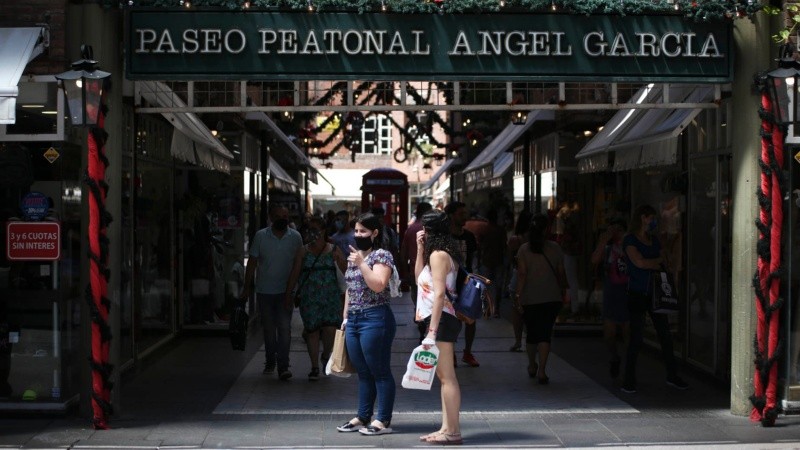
point(237, 327)
point(663, 294)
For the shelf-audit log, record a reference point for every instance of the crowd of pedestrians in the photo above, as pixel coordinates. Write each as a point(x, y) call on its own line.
point(338, 272)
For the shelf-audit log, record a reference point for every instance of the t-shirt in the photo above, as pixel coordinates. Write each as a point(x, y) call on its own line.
point(275, 257)
point(425, 292)
point(359, 294)
point(541, 282)
point(467, 245)
point(344, 240)
point(639, 278)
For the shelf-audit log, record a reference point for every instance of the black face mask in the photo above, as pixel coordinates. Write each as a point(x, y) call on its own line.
point(280, 224)
point(363, 243)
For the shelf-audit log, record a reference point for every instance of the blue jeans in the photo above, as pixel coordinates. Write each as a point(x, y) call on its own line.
point(368, 336)
point(276, 322)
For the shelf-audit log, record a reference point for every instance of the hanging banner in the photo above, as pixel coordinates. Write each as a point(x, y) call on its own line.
point(213, 45)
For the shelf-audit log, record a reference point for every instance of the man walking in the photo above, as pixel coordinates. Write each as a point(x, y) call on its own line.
point(458, 214)
point(344, 237)
point(408, 257)
point(272, 255)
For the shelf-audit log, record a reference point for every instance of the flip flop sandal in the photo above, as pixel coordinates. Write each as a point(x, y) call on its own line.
point(445, 439)
point(425, 437)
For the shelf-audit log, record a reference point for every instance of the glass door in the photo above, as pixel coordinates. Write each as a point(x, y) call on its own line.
point(709, 264)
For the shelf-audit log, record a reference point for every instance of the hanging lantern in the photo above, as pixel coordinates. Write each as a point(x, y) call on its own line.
point(519, 117)
point(783, 84)
point(84, 86)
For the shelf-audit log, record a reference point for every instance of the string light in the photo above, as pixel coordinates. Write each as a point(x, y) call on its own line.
point(246, 5)
point(553, 5)
point(383, 6)
point(502, 3)
point(310, 6)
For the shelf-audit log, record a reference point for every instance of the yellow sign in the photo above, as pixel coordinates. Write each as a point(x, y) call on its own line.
point(51, 155)
point(797, 157)
point(331, 126)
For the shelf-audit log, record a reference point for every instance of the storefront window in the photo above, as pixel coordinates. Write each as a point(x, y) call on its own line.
point(41, 299)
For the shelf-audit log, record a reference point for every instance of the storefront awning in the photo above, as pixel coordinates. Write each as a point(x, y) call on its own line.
point(300, 156)
point(19, 47)
point(643, 138)
point(506, 139)
point(438, 174)
point(208, 150)
point(282, 180)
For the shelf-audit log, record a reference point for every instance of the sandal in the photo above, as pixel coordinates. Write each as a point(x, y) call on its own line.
point(445, 439)
point(355, 424)
point(516, 348)
point(425, 437)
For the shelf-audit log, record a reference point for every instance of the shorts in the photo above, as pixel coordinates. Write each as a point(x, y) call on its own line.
point(449, 327)
point(539, 320)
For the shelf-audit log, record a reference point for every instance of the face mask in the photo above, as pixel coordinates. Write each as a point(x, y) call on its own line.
point(339, 225)
point(313, 235)
point(280, 224)
point(652, 226)
point(363, 243)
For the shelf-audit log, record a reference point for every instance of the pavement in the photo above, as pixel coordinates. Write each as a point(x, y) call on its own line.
point(197, 393)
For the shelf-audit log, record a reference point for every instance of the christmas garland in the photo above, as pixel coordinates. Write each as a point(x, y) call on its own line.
point(695, 9)
point(768, 341)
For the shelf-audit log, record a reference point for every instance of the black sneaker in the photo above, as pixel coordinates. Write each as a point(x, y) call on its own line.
point(373, 430)
point(678, 383)
point(269, 367)
point(613, 368)
point(628, 388)
point(313, 375)
point(284, 374)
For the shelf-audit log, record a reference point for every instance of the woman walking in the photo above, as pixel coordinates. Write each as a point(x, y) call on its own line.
point(514, 243)
point(539, 292)
point(643, 251)
point(320, 306)
point(609, 256)
point(436, 274)
point(370, 326)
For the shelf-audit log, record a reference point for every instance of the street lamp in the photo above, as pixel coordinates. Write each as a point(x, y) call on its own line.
point(83, 86)
point(783, 84)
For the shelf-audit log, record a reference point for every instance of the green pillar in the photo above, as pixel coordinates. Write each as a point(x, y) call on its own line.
point(752, 46)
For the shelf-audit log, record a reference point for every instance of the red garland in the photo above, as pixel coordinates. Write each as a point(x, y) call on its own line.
point(768, 267)
point(98, 282)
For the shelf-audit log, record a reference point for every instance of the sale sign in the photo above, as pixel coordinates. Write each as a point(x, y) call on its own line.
point(33, 241)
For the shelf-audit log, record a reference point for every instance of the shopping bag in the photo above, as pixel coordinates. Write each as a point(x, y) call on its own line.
point(421, 368)
point(329, 370)
point(237, 327)
point(340, 363)
point(664, 295)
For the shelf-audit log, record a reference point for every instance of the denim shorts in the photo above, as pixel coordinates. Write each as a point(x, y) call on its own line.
point(449, 327)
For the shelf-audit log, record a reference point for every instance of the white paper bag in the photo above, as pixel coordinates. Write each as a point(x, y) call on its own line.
point(421, 368)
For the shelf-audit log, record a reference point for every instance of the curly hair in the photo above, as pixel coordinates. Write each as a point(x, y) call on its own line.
point(437, 235)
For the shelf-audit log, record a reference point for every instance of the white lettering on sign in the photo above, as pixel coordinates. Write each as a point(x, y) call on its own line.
point(670, 45)
point(516, 43)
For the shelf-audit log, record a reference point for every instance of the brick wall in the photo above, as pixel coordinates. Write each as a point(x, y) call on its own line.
point(28, 13)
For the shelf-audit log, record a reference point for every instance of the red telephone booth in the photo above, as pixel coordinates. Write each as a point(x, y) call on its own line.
point(387, 188)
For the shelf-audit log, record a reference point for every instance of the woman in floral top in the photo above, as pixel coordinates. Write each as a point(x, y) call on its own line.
point(370, 326)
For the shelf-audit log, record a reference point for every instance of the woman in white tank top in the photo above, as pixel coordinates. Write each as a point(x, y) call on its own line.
point(436, 273)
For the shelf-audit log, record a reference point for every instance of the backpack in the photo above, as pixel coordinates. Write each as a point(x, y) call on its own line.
point(472, 296)
point(616, 265)
point(237, 327)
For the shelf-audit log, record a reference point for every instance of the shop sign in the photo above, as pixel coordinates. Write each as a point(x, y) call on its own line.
point(203, 45)
point(797, 157)
point(384, 182)
point(34, 206)
point(51, 155)
point(33, 241)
